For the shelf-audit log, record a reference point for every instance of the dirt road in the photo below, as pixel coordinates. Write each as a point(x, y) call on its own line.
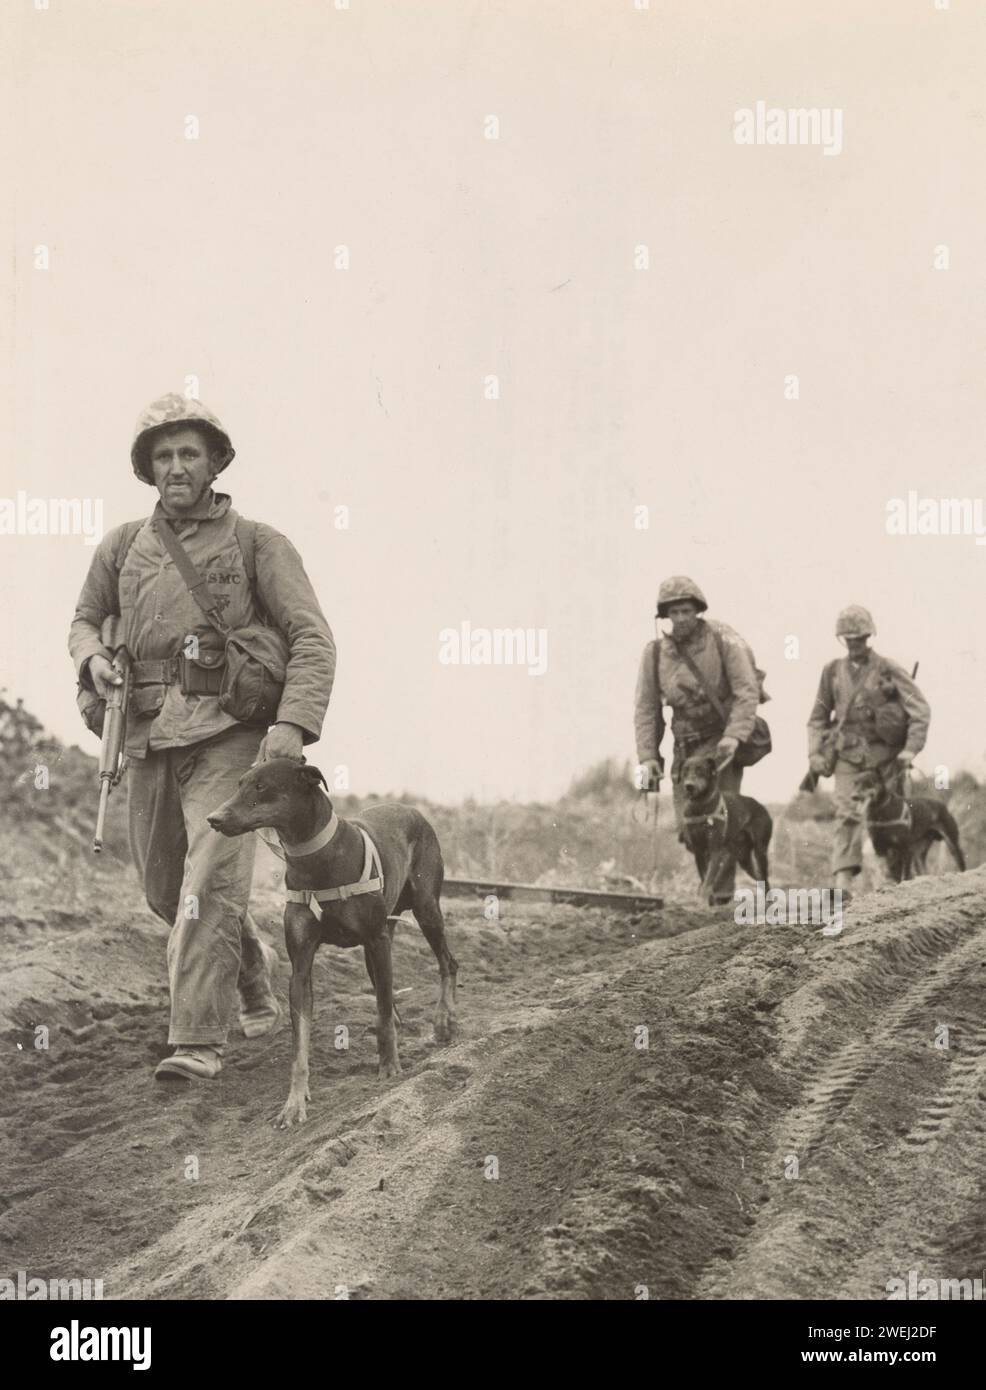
point(790, 1124)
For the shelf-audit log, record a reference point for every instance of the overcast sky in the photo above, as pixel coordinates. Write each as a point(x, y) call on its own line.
point(513, 257)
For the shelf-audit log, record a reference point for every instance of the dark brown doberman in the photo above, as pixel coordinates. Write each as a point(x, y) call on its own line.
point(335, 895)
point(722, 825)
point(903, 829)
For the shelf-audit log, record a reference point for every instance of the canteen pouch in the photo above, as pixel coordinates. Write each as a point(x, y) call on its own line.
point(890, 721)
point(253, 675)
point(757, 746)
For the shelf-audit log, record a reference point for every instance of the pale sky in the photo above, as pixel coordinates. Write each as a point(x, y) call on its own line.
point(618, 387)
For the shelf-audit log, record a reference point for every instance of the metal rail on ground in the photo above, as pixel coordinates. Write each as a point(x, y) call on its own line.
point(535, 893)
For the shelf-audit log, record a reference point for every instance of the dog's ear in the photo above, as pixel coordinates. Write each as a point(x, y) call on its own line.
point(710, 763)
point(312, 775)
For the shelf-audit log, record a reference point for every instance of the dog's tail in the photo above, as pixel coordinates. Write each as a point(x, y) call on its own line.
point(949, 833)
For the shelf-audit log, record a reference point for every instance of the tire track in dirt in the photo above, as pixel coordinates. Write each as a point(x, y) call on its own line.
point(863, 1056)
point(966, 1078)
point(944, 1234)
point(864, 1111)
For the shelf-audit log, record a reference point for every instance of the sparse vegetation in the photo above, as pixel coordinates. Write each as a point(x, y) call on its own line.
point(596, 835)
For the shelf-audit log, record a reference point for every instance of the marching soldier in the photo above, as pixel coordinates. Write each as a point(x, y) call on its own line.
point(723, 665)
point(868, 714)
point(185, 751)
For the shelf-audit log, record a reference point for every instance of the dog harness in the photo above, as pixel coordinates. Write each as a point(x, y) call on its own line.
point(904, 818)
point(721, 812)
point(370, 880)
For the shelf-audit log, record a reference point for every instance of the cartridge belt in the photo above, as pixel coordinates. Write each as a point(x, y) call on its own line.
point(691, 737)
point(201, 676)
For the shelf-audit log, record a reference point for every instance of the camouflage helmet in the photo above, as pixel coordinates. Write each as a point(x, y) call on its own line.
point(677, 588)
point(855, 621)
point(170, 412)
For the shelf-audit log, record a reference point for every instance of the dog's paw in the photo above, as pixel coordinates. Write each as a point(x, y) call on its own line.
point(445, 1027)
point(294, 1113)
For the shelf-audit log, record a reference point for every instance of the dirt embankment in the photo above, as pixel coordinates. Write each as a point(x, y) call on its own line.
point(790, 1124)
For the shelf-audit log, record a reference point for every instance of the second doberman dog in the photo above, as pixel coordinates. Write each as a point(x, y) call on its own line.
point(335, 896)
point(903, 830)
point(722, 825)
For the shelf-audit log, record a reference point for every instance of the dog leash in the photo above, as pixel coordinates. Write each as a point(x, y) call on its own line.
point(273, 845)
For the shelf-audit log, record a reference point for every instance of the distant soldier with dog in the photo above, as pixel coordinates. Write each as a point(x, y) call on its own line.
point(706, 673)
point(231, 662)
point(868, 716)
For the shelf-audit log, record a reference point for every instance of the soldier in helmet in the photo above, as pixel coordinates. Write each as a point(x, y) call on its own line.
point(868, 713)
point(664, 678)
point(184, 753)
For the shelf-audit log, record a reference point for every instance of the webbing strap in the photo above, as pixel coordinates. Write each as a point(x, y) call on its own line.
point(194, 581)
point(721, 812)
point(370, 881)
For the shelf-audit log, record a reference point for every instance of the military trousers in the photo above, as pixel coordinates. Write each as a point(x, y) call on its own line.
point(195, 879)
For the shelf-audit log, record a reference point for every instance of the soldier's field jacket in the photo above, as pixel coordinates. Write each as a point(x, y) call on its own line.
point(163, 615)
point(880, 682)
point(733, 680)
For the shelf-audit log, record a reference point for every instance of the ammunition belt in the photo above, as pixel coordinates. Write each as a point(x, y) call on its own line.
point(156, 672)
point(200, 677)
point(858, 716)
point(691, 737)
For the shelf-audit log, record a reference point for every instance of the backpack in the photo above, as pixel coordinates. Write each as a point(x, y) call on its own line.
point(761, 675)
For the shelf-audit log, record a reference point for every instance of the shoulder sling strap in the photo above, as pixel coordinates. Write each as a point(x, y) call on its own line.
point(194, 581)
point(131, 530)
point(246, 536)
point(714, 700)
point(246, 539)
point(837, 726)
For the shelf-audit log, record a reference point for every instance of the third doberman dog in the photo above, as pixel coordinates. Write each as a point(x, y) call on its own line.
point(903, 830)
point(721, 824)
point(346, 882)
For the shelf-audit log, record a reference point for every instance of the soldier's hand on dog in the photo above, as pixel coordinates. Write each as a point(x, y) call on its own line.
point(906, 758)
point(282, 741)
point(104, 676)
